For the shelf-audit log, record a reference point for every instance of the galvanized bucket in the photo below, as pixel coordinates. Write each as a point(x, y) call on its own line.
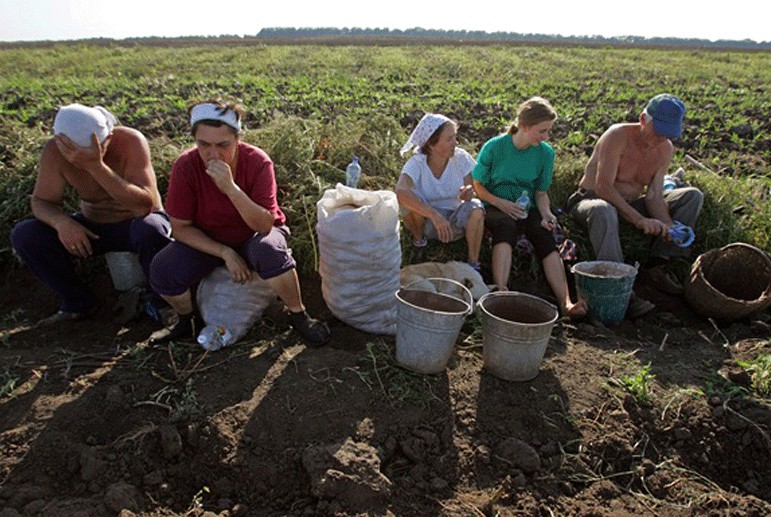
point(428, 322)
point(125, 270)
point(515, 331)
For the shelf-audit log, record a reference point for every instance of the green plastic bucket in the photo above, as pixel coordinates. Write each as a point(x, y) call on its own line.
point(606, 287)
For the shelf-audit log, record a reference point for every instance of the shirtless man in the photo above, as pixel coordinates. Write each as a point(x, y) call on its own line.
point(625, 179)
point(120, 207)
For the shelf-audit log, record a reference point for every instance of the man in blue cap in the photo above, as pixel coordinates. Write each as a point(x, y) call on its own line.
point(624, 182)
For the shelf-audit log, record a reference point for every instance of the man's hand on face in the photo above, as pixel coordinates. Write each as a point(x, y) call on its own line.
point(86, 158)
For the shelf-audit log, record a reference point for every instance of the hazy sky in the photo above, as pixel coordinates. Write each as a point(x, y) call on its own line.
point(76, 19)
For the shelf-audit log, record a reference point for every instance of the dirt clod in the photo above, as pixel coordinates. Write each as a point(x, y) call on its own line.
point(234, 438)
point(519, 454)
point(348, 472)
point(170, 441)
point(121, 496)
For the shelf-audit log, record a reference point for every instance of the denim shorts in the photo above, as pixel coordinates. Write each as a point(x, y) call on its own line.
point(457, 218)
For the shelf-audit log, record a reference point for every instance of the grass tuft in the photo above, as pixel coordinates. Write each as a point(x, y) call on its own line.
point(8, 382)
point(760, 373)
point(397, 384)
point(639, 385)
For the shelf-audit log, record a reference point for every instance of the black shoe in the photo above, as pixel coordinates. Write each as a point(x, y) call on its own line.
point(662, 279)
point(638, 307)
point(61, 316)
point(186, 329)
point(312, 330)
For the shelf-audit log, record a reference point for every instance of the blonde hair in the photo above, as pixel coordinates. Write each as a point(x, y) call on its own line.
point(531, 112)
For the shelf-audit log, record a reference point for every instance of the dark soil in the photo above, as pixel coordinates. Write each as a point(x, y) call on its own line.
point(100, 423)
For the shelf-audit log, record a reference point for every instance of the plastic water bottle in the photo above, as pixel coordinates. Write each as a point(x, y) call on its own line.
point(675, 180)
point(680, 234)
point(150, 308)
point(214, 337)
point(523, 201)
point(353, 173)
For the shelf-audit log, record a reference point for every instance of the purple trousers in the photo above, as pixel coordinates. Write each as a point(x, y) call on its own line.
point(38, 246)
point(178, 266)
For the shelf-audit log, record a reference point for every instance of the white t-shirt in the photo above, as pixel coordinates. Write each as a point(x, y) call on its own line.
point(442, 192)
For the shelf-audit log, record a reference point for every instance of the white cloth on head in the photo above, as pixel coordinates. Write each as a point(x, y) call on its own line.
point(79, 122)
point(423, 131)
point(209, 111)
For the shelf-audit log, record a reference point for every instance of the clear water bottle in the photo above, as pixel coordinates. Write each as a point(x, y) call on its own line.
point(214, 337)
point(523, 201)
point(675, 180)
point(353, 173)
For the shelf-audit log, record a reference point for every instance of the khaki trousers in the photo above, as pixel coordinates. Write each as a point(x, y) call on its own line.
point(601, 220)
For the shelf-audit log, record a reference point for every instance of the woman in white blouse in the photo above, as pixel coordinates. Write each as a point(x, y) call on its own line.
point(435, 190)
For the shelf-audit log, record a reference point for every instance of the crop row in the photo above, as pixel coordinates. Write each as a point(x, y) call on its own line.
point(312, 107)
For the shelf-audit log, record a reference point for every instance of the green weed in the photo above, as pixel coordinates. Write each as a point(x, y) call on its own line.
point(715, 385)
point(187, 403)
point(180, 404)
point(760, 372)
point(8, 322)
point(8, 382)
point(397, 384)
point(638, 385)
point(196, 503)
point(139, 356)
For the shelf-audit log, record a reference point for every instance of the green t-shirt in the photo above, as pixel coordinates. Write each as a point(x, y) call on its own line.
point(506, 171)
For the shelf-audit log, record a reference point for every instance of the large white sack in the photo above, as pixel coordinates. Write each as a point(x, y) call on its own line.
point(232, 305)
point(360, 256)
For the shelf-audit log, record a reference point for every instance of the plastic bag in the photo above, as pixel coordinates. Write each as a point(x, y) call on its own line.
point(360, 256)
point(233, 306)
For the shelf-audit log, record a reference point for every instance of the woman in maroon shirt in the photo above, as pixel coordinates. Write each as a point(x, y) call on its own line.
point(223, 209)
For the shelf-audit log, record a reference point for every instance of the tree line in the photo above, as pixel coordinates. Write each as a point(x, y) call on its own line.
point(466, 35)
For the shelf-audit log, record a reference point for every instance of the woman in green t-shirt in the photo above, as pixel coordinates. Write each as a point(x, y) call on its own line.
point(512, 176)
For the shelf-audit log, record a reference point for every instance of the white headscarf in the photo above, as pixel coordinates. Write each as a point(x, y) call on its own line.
point(209, 111)
point(79, 122)
point(423, 131)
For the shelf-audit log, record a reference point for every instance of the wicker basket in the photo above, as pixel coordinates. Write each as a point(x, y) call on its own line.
point(730, 283)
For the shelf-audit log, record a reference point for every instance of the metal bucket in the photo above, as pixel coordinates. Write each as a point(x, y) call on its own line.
point(516, 328)
point(125, 271)
point(428, 323)
point(606, 286)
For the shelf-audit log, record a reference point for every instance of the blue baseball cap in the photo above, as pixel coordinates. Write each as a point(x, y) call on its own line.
point(667, 112)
